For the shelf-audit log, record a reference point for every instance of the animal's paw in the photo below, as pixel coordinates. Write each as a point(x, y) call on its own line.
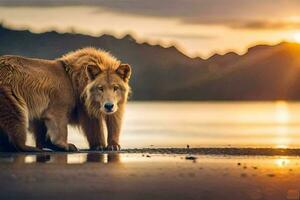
point(113, 147)
point(61, 147)
point(72, 147)
point(98, 148)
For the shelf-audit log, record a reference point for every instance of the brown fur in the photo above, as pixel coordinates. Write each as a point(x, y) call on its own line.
point(87, 88)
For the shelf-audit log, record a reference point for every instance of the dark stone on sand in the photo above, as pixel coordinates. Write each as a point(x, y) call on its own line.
point(271, 175)
point(191, 158)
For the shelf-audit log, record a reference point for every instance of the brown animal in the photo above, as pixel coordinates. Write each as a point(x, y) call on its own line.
point(86, 88)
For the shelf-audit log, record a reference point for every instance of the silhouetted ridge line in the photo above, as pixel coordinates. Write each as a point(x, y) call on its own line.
point(263, 73)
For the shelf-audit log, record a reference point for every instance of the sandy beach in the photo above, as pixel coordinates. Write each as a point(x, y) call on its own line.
point(150, 174)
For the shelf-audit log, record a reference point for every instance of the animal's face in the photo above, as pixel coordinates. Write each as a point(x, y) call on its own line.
point(106, 89)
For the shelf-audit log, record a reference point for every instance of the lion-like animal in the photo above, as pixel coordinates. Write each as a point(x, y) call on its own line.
point(87, 88)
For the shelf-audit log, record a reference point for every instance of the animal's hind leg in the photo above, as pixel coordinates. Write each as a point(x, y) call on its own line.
point(5, 145)
point(57, 131)
point(39, 129)
point(13, 121)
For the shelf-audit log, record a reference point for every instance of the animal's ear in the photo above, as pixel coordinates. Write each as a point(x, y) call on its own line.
point(92, 71)
point(124, 71)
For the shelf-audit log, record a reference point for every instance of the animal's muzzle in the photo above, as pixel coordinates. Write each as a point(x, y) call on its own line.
point(108, 107)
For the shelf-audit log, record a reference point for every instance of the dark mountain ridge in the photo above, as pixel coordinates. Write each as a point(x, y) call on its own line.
point(263, 73)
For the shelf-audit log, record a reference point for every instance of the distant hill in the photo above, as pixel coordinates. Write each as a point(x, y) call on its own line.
point(263, 73)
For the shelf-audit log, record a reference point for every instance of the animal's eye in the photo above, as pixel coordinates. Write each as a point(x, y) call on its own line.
point(100, 88)
point(116, 88)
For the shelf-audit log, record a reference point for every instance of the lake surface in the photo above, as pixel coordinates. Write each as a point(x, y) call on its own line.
point(208, 124)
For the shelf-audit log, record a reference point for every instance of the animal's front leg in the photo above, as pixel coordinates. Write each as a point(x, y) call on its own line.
point(39, 130)
point(58, 132)
point(93, 129)
point(113, 123)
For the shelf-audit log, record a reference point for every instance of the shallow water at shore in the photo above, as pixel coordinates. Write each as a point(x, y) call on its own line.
point(148, 175)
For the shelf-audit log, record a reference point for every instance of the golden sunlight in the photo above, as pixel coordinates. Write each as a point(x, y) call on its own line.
point(282, 162)
point(282, 115)
point(296, 37)
point(282, 146)
point(282, 140)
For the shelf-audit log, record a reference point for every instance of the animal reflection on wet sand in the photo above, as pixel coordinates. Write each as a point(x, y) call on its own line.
point(60, 158)
point(127, 175)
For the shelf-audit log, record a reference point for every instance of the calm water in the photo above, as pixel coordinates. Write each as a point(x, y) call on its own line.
point(208, 124)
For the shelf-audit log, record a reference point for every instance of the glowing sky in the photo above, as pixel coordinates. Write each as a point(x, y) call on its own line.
point(196, 27)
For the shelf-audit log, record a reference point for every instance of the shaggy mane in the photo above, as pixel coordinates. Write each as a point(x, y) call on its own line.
point(105, 60)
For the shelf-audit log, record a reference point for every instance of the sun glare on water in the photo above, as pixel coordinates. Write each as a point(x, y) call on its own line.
point(296, 37)
point(282, 162)
point(282, 118)
point(282, 115)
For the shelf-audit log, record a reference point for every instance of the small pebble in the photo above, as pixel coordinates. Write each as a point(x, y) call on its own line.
point(270, 175)
point(191, 158)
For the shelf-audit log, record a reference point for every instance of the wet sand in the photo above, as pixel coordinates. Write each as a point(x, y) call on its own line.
point(152, 174)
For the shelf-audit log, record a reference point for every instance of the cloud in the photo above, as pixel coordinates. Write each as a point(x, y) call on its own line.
point(185, 36)
point(266, 25)
point(250, 24)
point(237, 14)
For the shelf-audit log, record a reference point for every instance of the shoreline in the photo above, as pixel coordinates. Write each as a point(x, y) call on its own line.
point(232, 151)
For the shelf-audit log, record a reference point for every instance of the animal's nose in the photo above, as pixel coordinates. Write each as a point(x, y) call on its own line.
point(108, 106)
